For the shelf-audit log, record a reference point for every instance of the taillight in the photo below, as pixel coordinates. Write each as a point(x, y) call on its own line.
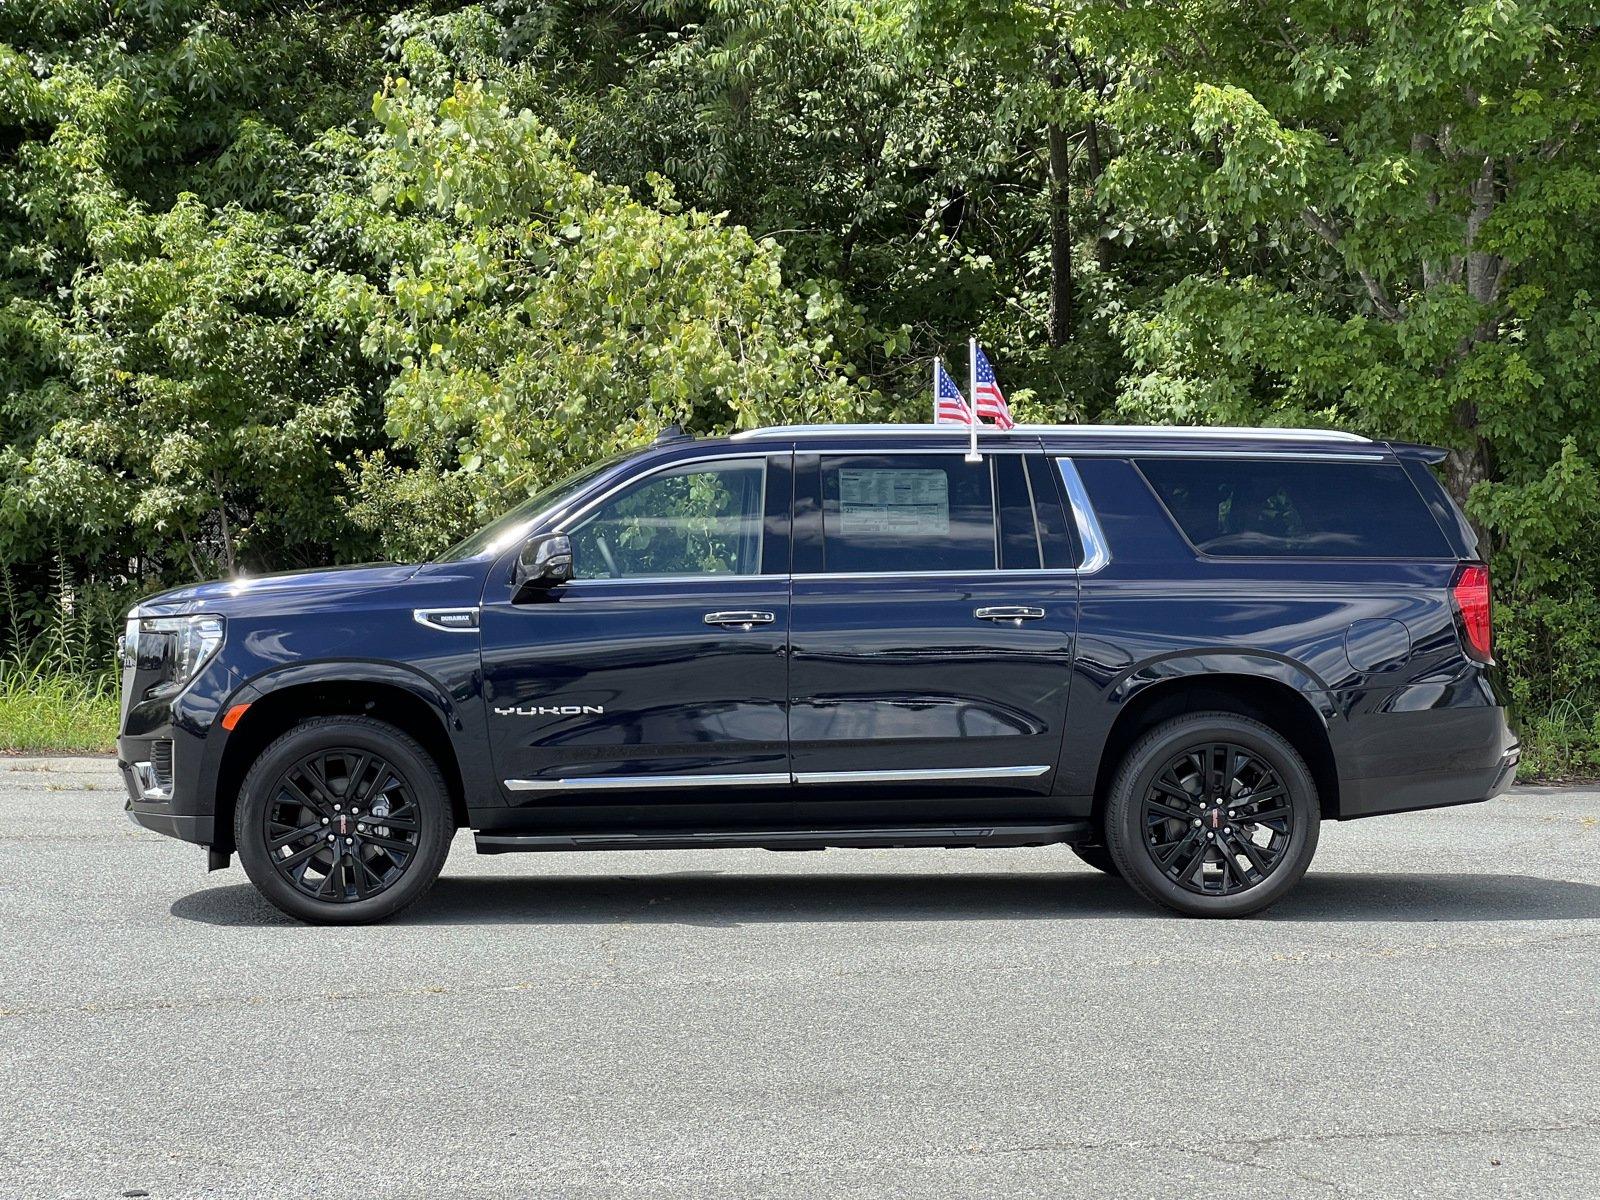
point(1470, 592)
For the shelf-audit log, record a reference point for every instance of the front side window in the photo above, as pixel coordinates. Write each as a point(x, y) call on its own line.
point(1267, 508)
point(702, 518)
point(894, 513)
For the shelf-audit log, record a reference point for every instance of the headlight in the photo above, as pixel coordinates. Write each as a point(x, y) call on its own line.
point(177, 646)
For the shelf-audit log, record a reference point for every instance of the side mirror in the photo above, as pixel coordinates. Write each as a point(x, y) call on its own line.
point(543, 561)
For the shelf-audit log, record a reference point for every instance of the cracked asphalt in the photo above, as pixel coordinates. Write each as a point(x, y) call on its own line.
point(1420, 1018)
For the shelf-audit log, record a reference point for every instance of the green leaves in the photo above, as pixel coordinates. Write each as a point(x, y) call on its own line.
point(539, 318)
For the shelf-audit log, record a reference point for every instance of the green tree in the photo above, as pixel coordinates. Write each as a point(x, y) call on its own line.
point(538, 318)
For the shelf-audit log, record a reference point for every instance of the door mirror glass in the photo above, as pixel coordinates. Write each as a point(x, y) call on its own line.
point(544, 561)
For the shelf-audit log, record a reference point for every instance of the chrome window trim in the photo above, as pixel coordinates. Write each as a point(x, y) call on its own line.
point(930, 775)
point(990, 573)
point(1096, 550)
point(603, 783)
point(781, 581)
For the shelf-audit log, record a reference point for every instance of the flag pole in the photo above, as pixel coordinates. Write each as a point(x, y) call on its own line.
point(972, 398)
point(935, 389)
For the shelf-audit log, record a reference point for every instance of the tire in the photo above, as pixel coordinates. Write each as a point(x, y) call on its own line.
point(1097, 857)
point(1182, 767)
point(351, 779)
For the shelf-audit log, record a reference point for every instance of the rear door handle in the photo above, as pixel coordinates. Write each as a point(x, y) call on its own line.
point(741, 618)
point(1009, 612)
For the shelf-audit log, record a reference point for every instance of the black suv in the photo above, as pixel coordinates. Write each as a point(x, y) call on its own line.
point(1176, 651)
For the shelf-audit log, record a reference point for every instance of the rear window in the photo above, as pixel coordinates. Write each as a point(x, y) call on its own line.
point(1291, 508)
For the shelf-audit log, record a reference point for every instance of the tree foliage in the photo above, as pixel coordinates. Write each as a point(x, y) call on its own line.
point(285, 283)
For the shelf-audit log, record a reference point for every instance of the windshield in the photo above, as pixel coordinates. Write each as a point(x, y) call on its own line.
point(500, 532)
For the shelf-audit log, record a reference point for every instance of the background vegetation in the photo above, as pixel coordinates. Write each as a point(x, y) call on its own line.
point(289, 281)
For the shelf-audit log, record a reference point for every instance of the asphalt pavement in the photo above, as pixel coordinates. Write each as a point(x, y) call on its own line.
point(1420, 1018)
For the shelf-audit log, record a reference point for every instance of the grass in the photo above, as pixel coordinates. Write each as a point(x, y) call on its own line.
point(43, 712)
point(1563, 744)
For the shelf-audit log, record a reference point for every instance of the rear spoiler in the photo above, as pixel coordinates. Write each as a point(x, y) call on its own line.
point(1417, 452)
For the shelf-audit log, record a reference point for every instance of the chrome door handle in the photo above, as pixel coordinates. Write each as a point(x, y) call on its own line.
point(743, 619)
point(1009, 612)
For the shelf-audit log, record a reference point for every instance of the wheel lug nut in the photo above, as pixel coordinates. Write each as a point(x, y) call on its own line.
point(1197, 822)
point(349, 841)
point(1209, 836)
point(331, 837)
point(324, 820)
point(335, 808)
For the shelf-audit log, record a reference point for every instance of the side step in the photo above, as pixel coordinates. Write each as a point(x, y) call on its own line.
point(960, 836)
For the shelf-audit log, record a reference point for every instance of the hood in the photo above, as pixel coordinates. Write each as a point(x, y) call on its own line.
point(219, 595)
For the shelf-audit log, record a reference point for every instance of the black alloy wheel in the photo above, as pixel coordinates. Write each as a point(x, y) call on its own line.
point(343, 820)
point(1213, 814)
point(1217, 819)
point(341, 825)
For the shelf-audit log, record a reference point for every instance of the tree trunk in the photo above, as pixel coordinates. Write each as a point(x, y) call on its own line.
point(1104, 249)
point(1060, 323)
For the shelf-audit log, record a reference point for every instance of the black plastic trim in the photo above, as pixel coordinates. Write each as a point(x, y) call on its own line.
point(794, 839)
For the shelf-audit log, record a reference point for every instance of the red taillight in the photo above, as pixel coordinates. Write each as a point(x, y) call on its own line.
point(1470, 591)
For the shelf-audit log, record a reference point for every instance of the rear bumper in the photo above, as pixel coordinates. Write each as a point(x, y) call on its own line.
point(1429, 759)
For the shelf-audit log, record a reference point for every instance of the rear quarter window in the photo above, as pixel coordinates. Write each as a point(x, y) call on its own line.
point(1301, 509)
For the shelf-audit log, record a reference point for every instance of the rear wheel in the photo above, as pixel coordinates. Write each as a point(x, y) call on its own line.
point(1213, 814)
point(343, 820)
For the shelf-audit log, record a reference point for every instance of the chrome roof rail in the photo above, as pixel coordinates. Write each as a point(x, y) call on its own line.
point(1239, 432)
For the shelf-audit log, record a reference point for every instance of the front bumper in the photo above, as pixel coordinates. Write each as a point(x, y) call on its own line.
point(169, 799)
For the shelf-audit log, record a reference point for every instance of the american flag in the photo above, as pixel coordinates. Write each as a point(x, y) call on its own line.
point(986, 393)
point(949, 407)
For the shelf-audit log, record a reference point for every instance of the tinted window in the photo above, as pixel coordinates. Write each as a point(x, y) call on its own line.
point(698, 519)
point(899, 513)
point(1317, 509)
point(1019, 534)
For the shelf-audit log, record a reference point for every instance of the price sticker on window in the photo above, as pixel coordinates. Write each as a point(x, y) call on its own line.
point(885, 503)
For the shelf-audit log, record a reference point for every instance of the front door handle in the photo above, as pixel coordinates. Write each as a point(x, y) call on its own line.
point(1009, 612)
point(744, 619)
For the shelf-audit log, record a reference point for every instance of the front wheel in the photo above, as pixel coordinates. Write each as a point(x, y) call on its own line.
point(343, 820)
point(1213, 815)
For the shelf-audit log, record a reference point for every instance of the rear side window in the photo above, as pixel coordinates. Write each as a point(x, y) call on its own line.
point(1264, 508)
point(896, 513)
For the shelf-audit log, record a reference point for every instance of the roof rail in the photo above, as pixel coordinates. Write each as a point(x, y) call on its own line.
point(1245, 432)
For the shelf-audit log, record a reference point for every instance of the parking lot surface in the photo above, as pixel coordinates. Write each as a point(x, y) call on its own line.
point(1421, 1018)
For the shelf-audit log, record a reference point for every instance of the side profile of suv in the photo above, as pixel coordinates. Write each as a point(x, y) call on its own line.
point(1175, 651)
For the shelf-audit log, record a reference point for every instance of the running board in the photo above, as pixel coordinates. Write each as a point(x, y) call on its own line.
point(951, 836)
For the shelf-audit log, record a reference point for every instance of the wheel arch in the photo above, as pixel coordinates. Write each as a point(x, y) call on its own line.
point(397, 696)
point(1288, 700)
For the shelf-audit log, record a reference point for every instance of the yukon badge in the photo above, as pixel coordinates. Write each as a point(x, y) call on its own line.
point(553, 710)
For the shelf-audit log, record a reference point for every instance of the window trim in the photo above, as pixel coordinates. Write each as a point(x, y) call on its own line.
point(1378, 460)
point(578, 514)
point(1079, 511)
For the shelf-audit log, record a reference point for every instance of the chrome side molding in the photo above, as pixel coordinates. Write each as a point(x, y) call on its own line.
point(600, 783)
point(605, 783)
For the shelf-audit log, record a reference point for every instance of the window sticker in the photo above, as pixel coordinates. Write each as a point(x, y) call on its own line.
point(878, 503)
